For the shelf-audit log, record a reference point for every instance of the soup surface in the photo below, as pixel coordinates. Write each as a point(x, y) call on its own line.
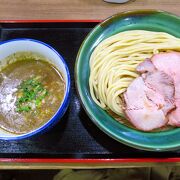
point(31, 91)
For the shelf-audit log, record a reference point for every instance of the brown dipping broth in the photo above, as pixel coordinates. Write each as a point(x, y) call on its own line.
point(27, 66)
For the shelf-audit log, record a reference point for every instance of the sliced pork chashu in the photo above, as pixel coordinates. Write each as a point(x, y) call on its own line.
point(149, 98)
point(170, 64)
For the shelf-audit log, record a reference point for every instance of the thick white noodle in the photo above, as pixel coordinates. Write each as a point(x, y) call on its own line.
point(113, 63)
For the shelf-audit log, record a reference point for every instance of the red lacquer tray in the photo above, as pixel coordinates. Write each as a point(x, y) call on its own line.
point(75, 141)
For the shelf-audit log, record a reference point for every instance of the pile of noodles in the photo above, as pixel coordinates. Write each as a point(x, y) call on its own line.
point(113, 63)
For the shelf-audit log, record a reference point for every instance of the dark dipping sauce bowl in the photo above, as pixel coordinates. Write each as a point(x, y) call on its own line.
point(8, 48)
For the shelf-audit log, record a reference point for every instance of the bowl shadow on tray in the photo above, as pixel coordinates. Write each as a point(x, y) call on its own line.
point(39, 145)
point(49, 144)
point(99, 136)
point(115, 148)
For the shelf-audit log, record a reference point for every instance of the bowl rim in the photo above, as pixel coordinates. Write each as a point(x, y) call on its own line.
point(79, 89)
point(64, 105)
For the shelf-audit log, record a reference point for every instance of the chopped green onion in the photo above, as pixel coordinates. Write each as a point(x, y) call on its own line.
point(32, 93)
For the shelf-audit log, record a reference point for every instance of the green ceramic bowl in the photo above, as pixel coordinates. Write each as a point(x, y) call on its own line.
point(145, 20)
